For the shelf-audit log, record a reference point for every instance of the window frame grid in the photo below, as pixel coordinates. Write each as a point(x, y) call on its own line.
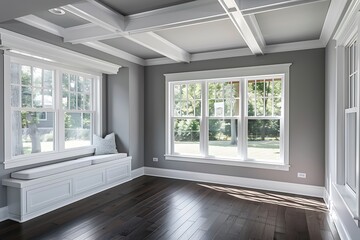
point(242, 124)
point(59, 150)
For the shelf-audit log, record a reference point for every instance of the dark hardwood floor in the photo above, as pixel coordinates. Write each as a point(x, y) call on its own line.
point(160, 208)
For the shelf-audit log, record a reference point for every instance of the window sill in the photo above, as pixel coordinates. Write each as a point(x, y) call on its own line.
point(229, 162)
point(46, 157)
point(348, 198)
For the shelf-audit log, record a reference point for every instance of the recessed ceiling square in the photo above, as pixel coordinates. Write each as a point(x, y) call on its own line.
point(131, 47)
point(293, 24)
point(139, 6)
point(204, 37)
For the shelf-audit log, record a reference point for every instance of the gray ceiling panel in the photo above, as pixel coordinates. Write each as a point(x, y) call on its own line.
point(65, 21)
point(293, 24)
point(211, 36)
point(10, 9)
point(138, 6)
point(132, 48)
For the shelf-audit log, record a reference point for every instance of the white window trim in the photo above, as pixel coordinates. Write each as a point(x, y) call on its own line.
point(232, 73)
point(348, 31)
point(18, 161)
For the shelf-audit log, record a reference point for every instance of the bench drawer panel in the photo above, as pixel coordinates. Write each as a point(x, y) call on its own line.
point(117, 173)
point(39, 198)
point(88, 181)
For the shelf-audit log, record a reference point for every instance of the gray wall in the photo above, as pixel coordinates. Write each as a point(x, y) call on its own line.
point(306, 116)
point(115, 108)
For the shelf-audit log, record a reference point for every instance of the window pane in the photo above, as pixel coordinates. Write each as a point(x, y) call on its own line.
point(259, 106)
point(87, 102)
point(30, 135)
point(72, 101)
point(37, 77)
point(187, 136)
point(235, 107)
point(65, 82)
point(194, 91)
point(37, 97)
point(184, 92)
point(15, 73)
point(26, 97)
point(350, 155)
point(223, 138)
point(15, 96)
point(264, 139)
point(77, 130)
point(72, 83)
point(48, 79)
point(228, 107)
point(87, 85)
point(228, 91)
point(212, 87)
point(80, 84)
point(277, 87)
point(81, 102)
point(236, 89)
point(268, 106)
point(65, 100)
point(177, 92)
point(25, 75)
point(48, 98)
point(277, 106)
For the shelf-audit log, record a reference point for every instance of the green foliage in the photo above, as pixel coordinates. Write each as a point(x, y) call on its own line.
point(187, 130)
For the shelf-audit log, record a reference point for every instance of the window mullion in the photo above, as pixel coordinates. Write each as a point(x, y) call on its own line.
point(242, 130)
point(204, 121)
point(60, 119)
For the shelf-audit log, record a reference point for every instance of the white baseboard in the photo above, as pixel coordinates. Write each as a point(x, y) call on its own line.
point(301, 189)
point(137, 173)
point(4, 214)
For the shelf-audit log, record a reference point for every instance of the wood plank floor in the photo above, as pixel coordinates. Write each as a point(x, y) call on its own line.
point(160, 208)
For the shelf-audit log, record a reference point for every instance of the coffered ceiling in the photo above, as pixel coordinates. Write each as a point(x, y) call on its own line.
point(169, 31)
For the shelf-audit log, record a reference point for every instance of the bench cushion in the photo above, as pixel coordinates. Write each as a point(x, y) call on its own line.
point(97, 159)
point(51, 169)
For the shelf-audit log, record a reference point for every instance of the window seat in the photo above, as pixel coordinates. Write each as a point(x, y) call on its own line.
point(52, 169)
point(36, 191)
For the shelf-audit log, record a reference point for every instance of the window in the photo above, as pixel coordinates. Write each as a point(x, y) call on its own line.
point(228, 120)
point(51, 110)
point(350, 116)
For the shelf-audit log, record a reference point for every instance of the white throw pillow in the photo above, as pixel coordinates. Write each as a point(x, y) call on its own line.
point(105, 145)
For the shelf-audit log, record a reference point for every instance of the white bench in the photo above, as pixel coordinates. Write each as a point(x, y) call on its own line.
point(36, 191)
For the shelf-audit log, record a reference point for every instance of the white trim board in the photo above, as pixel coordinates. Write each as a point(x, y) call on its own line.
point(294, 188)
point(4, 214)
point(137, 173)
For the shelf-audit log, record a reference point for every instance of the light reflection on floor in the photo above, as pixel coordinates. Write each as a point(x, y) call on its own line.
point(271, 198)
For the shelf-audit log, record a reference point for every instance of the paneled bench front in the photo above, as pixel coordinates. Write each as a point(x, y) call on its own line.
point(40, 190)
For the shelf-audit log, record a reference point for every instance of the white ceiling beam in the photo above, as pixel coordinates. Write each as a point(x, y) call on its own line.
point(200, 11)
point(59, 31)
point(175, 16)
point(160, 45)
point(115, 52)
point(240, 52)
point(254, 7)
point(332, 17)
point(106, 18)
point(88, 33)
point(42, 24)
point(231, 7)
point(99, 14)
point(255, 29)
